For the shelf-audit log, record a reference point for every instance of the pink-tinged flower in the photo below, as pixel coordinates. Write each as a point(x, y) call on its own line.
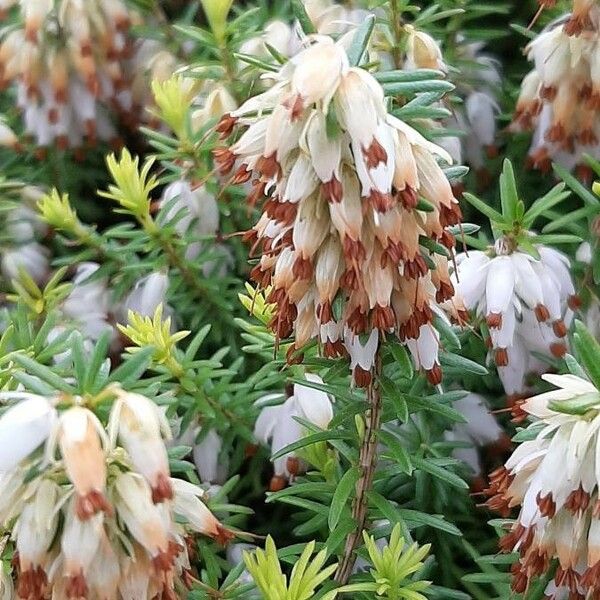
point(81, 440)
point(559, 510)
point(341, 229)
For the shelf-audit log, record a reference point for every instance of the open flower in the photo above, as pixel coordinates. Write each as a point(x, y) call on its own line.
point(553, 479)
point(341, 229)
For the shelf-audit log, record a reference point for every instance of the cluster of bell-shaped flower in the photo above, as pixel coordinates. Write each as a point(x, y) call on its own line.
point(525, 301)
point(277, 426)
point(553, 479)
point(92, 509)
point(352, 197)
point(74, 67)
point(560, 97)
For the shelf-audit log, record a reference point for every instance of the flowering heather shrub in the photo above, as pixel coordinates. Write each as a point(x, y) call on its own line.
point(299, 300)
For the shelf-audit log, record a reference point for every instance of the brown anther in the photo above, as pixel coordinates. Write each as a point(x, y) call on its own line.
point(242, 175)
point(567, 578)
point(277, 483)
point(450, 215)
point(541, 313)
point(223, 535)
point(444, 292)
point(358, 321)
point(257, 193)
point(354, 250)
point(90, 504)
point(268, 165)
point(225, 159)
point(548, 92)
point(53, 115)
point(508, 542)
point(520, 581)
point(558, 349)
point(556, 133)
point(447, 240)
point(491, 151)
point(546, 505)
point(77, 586)
point(374, 154)
point(325, 312)
point(578, 501)
point(408, 197)
point(382, 318)
point(250, 450)
point(292, 464)
point(501, 357)
point(162, 489)
point(494, 320)
point(559, 328)
point(585, 173)
point(293, 357)
point(362, 377)
point(574, 302)
point(333, 190)
point(165, 560)
point(381, 202)
point(225, 126)
point(350, 279)
point(413, 269)
point(303, 268)
point(296, 107)
point(434, 375)
point(334, 349)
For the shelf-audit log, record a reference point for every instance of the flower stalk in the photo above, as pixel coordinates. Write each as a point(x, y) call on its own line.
point(367, 462)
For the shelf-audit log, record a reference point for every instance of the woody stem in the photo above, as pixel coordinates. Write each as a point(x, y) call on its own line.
point(367, 463)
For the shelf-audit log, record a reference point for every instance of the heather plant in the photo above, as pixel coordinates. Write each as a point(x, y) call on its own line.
point(299, 300)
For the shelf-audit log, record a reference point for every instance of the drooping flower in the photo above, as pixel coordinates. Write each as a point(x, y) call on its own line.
point(480, 429)
point(276, 425)
point(22, 248)
point(553, 480)
point(560, 97)
point(193, 210)
point(524, 300)
point(95, 513)
point(148, 292)
point(342, 224)
point(88, 302)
